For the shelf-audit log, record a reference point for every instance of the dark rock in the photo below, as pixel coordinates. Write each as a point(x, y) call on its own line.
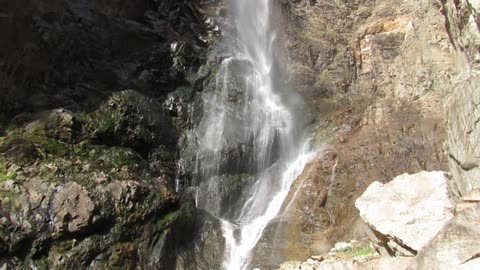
point(132, 120)
point(206, 249)
point(162, 162)
point(63, 125)
point(20, 150)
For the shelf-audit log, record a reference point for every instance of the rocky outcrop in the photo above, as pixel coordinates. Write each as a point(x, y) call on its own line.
point(444, 239)
point(408, 212)
point(73, 54)
point(461, 109)
point(376, 76)
point(70, 200)
point(456, 246)
point(87, 170)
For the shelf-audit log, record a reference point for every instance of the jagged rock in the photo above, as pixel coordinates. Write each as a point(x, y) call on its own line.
point(82, 51)
point(462, 117)
point(457, 245)
point(409, 211)
point(473, 196)
point(349, 264)
point(20, 150)
point(205, 251)
point(130, 119)
point(63, 125)
point(72, 208)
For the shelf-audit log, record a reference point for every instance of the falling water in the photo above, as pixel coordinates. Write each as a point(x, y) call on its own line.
point(250, 130)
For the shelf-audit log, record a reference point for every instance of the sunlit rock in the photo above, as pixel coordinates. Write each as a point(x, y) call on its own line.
point(409, 211)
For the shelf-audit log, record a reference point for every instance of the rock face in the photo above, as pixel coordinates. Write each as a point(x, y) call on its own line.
point(389, 82)
point(461, 109)
point(69, 200)
point(409, 211)
point(86, 167)
point(456, 246)
point(73, 54)
point(73, 208)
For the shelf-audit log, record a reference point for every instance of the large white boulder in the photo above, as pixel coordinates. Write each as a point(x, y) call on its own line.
point(409, 211)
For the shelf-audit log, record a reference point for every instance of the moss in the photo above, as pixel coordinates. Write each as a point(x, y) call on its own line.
point(110, 156)
point(42, 264)
point(50, 147)
point(164, 222)
point(8, 176)
point(363, 252)
point(128, 119)
point(360, 252)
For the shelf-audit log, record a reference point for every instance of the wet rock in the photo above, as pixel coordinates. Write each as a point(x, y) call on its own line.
point(206, 249)
point(408, 211)
point(178, 105)
point(161, 162)
point(130, 119)
point(220, 193)
point(72, 208)
point(97, 49)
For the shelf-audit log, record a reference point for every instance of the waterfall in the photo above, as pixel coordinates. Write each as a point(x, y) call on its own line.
point(250, 141)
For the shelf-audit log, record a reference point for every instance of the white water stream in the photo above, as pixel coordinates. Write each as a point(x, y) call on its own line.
point(249, 126)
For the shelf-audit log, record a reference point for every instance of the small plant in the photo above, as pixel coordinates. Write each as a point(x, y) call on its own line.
point(363, 252)
point(4, 174)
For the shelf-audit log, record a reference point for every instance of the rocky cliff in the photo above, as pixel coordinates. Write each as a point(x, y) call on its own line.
point(86, 167)
point(394, 85)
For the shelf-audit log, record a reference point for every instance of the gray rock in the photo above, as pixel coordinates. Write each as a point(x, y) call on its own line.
point(72, 208)
point(409, 211)
point(62, 125)
point(457, 245)
point(473, 196)
point(463, 115)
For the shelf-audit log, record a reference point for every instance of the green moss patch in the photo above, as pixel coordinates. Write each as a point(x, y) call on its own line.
point(4, 174)
point(110, 156)
point(164, 222)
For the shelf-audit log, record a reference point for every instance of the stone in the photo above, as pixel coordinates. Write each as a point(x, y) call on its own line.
point(130, 119)
point(20, 150)
point(463, 133)
point(72, 208)
point(62, 125)
point(342, 247)
point(410, 210)
point(457, 245)
point(473, 196)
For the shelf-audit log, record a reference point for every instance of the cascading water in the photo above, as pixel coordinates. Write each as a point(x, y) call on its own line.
point(250, 132)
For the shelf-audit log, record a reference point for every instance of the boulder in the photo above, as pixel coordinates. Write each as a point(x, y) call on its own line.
point(63, 125)
point(473, 196)
point(130, 119)
point(457, 245)
point(407, 212)
point(72, 208)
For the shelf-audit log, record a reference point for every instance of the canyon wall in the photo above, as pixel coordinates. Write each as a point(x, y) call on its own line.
point(393, 87)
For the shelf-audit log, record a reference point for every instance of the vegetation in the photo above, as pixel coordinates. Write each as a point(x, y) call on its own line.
point(360, 252)
point(4, 174)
